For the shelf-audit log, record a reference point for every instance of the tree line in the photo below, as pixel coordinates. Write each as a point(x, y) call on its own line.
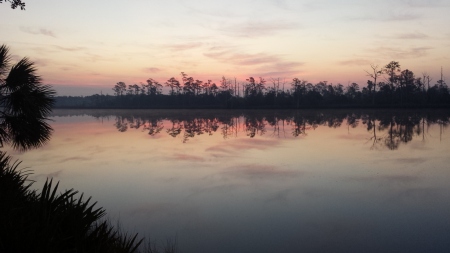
point(388, 86)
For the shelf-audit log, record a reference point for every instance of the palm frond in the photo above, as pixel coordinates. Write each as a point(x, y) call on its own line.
point(26, 104)
point(4, 61)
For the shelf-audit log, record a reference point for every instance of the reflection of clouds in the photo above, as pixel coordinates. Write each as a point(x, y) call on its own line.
point(184, 157)
point(352, 136)
point(421, 195)
point(410, 160)
point(259, 171)
point(74, 158)
point(390, 179)
point(244, 144)
point(153, 209)
point(223, 189)
point(419, 146)
point(55, 174)
point(279, 197)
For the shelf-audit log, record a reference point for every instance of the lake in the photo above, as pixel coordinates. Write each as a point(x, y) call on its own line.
point(260, 181)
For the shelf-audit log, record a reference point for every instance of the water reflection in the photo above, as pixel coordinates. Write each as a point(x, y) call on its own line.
point(261, 181)
point(388, 129)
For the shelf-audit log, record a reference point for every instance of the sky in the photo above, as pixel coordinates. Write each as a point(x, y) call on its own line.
point(85, 47)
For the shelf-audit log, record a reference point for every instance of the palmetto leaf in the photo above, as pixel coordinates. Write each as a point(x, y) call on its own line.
point(25, 104)
point(4, 60)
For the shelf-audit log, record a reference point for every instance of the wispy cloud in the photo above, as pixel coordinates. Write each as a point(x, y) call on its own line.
point(355, 62)
point(151, 70)
point(388, 17)
point(402, 16)
point(402, 53)
point(41, 62)
point(228, 56)
point(254, 29)
point(41, 31)
point(422, 3)
point(184, 46)
point(411, 36)
point(264, 64)
point(70, 49)
point(96, 57)
point(279, 69)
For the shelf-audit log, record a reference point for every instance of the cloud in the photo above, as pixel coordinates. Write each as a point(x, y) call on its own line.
point(70, 49)
point(183, 47)
point(41, 62)
point(95, 57)
point(404, 16)
point(40, 31)
point(280, 69)
point(388, 17)
point(254, 29)
point(411, 36)
point(402, 53)
point(356, 62)
point(227, 56)
point(151, 70)
point(422, 3)
point(264, 64)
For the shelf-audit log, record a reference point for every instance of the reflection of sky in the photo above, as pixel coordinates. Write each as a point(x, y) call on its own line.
point(328, 191)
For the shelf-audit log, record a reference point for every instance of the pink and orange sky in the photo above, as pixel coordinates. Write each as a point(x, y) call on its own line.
point(85, 47)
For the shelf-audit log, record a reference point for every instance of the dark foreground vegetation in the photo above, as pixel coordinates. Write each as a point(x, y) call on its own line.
point(51, 221)
point(48, 221)
point(399, 89)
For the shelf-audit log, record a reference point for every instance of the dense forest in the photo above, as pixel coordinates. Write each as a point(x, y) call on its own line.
point(387, 87)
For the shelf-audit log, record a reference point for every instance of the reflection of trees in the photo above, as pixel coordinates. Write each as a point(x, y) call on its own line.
point(370, 121)
point(387, 129)
point(176, 128)
point(352, 121)
point(154, 127)
point(255, 125)
point(121, 124)
point(299, 126)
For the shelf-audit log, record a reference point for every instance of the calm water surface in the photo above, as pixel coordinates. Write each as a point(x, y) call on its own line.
point(264, 181)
